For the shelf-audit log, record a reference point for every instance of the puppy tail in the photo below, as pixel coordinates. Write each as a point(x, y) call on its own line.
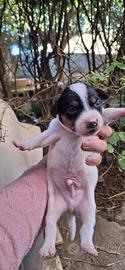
point(72, 225)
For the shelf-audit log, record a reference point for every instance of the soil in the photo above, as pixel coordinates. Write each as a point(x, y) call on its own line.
point(110, 191)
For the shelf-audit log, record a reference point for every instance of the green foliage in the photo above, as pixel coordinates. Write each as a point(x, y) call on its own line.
point(75, 3)
point(114, 141)
point(98, 80)
point(115, 64)
point(35, 105)
point(122, 124)
point(102, 80)
point(119, 66)
point(110, 148)
point(121, 160)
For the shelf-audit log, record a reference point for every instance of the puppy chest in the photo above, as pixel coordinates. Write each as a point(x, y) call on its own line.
point(66, 173)
point(66, 152)
point(65, 163)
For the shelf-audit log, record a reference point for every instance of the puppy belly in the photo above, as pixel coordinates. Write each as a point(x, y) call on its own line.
point(70, 194)
point(74, 203)
point(72, 185)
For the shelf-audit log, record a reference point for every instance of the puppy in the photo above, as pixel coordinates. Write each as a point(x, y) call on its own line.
point(71, 182)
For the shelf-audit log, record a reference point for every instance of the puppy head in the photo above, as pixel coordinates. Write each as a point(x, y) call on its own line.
point(79, 108)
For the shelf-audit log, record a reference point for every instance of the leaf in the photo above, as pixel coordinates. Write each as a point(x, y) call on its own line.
point(109, 69)
point(114, 64)
point(122, 123)
point(122, 79)
point(123, 152)
point(121, 163)
point(114, 138)
point(122, 136)
point(110, 148)
point(75, 3)
point(121, 65)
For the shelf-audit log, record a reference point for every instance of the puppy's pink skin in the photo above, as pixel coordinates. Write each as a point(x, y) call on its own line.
point(66, 161)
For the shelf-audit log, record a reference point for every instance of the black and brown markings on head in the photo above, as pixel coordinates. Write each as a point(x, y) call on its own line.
point(75, 99)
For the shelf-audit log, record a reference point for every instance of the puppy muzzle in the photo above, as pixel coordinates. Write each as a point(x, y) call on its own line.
point(89, 123)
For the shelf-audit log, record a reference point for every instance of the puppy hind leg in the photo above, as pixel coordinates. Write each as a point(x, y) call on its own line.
point(55, 209)
point(87, 213)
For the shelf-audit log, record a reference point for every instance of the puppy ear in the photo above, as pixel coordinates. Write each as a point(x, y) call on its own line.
point(54, 109)
point(103, 95)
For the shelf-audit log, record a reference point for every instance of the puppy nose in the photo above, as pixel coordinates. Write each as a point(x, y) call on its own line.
point(92, 124)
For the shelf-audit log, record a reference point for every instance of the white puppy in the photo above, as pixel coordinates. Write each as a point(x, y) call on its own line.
point(71, 183)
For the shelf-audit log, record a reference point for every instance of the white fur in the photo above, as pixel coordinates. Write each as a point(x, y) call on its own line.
point(71, 183)
point(81, 90)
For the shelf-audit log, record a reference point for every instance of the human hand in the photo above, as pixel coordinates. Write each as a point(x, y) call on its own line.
point(97, 144)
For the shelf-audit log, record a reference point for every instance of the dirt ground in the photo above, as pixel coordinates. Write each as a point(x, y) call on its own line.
point(110, 191)
point(110, 195)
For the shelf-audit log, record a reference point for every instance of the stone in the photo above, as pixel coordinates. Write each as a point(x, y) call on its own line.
point(121, 216)
point(109, 239)
point(52, 264)
point(33, 261)
point(59, 239)
point(13, 162)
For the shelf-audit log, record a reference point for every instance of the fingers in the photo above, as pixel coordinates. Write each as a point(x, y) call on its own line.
point(94, 144)
point(93, 160)
point(105, 132)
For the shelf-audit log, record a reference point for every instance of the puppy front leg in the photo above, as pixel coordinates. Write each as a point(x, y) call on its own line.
point(112, 114)
point(41, 140)
point(56, 206)
point(88, 212)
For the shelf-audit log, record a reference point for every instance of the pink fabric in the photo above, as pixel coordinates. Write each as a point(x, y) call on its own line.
point(22, 207)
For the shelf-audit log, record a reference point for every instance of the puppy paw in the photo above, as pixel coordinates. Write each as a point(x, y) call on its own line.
point(22, 145)
point(90, 249)
point(47, 250)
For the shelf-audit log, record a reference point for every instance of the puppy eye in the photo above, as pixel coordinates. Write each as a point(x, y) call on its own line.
point(98, 102)
point(92, 100)
point(71, 110)
point(95, 101)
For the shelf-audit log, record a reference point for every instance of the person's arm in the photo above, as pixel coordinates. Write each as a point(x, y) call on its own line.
point(22, 209)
